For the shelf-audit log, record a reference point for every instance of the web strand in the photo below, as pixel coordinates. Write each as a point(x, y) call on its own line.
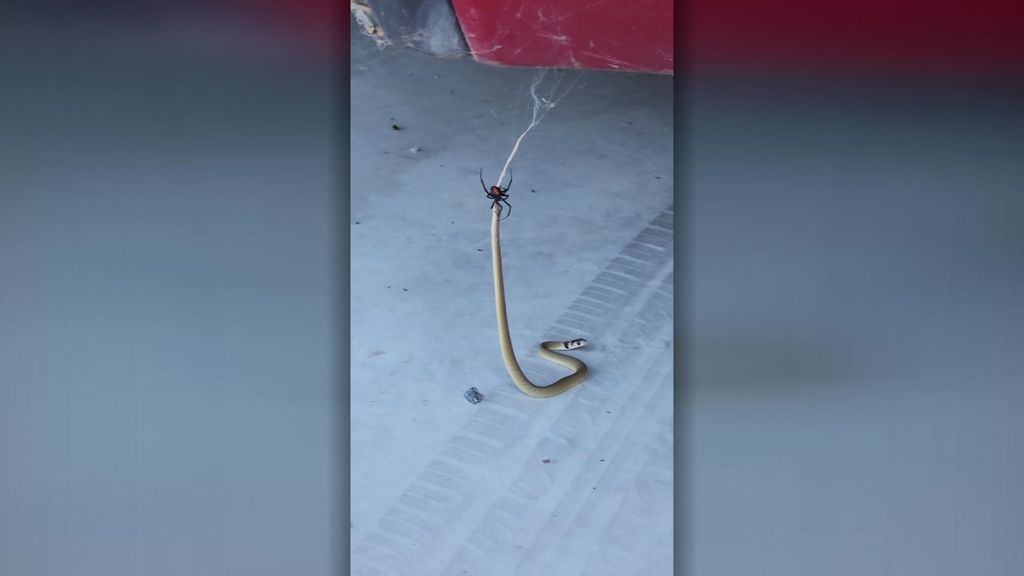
point(541, 106)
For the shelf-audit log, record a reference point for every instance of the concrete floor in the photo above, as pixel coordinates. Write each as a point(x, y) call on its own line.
point(578, 484)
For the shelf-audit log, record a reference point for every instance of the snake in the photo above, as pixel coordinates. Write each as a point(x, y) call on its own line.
point(548, 350)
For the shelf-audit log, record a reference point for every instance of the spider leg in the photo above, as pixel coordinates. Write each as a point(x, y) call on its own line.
point(509, 180)
point(509, 208)
point(488, 192)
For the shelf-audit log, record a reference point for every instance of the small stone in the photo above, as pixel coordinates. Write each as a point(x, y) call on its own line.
point(415, 149)
point(546, 460)
point(396, 127)
point(473, 396)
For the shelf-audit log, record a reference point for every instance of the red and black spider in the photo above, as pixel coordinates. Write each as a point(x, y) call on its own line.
point(498, 194)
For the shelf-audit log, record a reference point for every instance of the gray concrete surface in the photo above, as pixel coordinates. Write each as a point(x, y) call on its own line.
point(578, 484)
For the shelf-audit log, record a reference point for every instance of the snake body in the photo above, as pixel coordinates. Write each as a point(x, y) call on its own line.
point(548, 350)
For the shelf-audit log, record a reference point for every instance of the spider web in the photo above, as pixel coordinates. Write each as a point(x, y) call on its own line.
point(545, 95)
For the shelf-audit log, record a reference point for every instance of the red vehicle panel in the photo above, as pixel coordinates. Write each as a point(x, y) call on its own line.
point(841, 35)
point(602, 34)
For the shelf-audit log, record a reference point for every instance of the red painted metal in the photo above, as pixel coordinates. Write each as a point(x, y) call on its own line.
point(593, 34)
point(832, 35)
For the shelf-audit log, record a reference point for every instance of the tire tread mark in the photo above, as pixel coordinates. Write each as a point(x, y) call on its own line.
point(453, 472)
point(421, 505)
point(584, 319)
point(461, 455)
point(630, 267)
point(617, 282)
point(569, 325)
point(583, 308)
point(436, 479)
point(488, 431)
point(642, 253)
point(471, 444)
point(415, 520)
point(400, 529)
point(509, 402)
point(606, 297)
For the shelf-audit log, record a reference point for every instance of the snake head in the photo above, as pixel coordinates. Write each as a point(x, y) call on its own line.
point(574, 344)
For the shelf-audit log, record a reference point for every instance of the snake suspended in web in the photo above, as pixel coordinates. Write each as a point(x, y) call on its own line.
point(548, 350)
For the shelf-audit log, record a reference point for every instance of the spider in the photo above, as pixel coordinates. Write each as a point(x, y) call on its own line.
point(498, 194)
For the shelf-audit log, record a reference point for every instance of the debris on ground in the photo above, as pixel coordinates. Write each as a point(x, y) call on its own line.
point(473, 396)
